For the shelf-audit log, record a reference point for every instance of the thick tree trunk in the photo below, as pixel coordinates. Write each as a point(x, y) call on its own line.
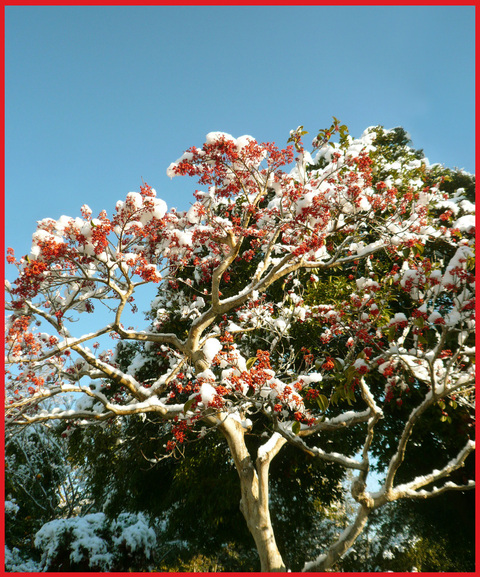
point(254, 500)
point(259, 524)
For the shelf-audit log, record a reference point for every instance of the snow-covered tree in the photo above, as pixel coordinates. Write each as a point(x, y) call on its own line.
point(40, 486)
point(237, 272)
point(124, 460)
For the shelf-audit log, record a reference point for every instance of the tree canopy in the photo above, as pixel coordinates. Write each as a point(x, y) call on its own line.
point(314, 314)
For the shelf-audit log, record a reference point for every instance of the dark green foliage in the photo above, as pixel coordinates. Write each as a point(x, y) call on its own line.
point(34, 468)
point(444, 526)
point(431, 536)
point(93, 543)
point(302, 490)
point(455, 179)
point(395, 144)
point(198, 495)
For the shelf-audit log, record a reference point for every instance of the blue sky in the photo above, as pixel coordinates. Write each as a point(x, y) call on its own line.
point(99, 98)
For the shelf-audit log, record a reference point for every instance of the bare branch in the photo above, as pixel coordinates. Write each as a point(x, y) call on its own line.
point(296, 441)
point(410, 490)
point(429, 400)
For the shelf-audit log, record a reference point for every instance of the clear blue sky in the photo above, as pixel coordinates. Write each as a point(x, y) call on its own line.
point(99, 98)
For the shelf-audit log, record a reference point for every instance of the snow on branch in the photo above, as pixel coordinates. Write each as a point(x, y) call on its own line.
point(411, 489)
point(333, 457)
point(428, 401)
point(339, 422)
point(269, 449)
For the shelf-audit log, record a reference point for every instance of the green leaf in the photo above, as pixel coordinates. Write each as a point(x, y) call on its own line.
point(250, 391)
point(187, 406)
point(419, 322)
point(322, 402)
point(420, 247)
point(338, 365)
point(296, 427)
point(251, 361)
point(349, 374)
point(335, 398)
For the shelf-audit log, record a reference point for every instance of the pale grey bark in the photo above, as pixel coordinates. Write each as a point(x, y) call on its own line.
point(254, 502)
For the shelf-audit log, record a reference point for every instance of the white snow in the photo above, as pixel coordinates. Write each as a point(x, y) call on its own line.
point(359, 364)
point(83, 531)
point(11, 508)
point(348, 416)
point(207, 393)
point(135, 200)
point(465, 223)
point(243, 141)
point(211, 348)
point(434, 317)
point(268, 446)
point(212, 137)
point(419, 367)
point(137, 363)
point(133, 531)
point(192, 214)
point(398, 318)
point(88, 538)
point(311, 378)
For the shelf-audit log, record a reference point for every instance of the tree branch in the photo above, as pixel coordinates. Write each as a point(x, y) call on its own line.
point(410, 490)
